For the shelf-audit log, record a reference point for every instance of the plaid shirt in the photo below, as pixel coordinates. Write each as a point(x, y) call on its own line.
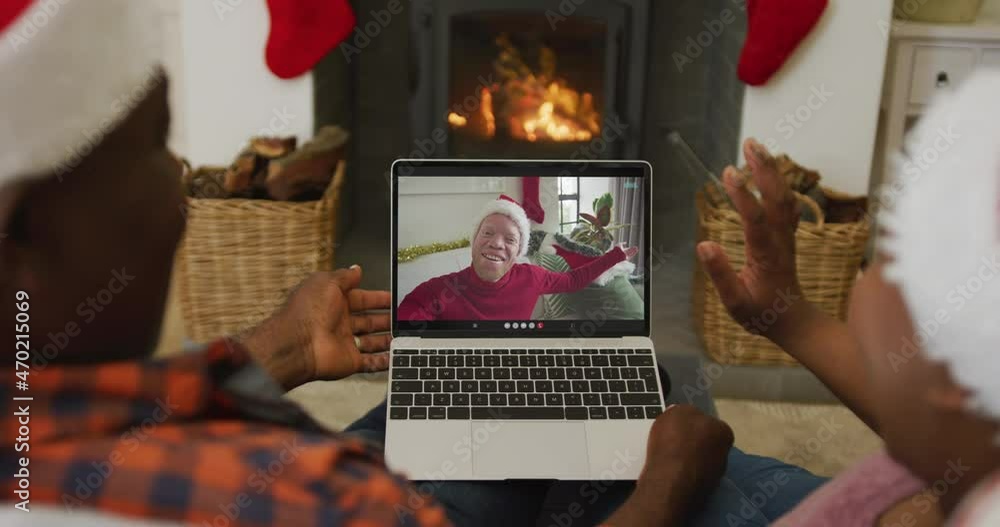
point(200, 438)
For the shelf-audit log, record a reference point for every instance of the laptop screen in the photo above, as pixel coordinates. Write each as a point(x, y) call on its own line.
point(520, 249)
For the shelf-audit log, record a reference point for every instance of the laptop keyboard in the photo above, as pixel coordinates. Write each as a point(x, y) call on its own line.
point(524, 384)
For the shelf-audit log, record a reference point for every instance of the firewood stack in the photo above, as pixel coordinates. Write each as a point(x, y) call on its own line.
point(273, 168)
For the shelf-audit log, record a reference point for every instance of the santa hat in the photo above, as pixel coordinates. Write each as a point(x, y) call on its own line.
point(943, 222)
point(72, 70)
point(981, 506)
point(508, 207)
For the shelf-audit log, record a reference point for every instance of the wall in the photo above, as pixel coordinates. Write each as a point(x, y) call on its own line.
point(221, 91)
point(591, 189)
point(822, 106)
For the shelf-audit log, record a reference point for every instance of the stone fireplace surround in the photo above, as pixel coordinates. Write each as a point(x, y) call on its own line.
point(370, 90)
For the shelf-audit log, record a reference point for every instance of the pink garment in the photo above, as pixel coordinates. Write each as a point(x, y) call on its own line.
point(857, 497)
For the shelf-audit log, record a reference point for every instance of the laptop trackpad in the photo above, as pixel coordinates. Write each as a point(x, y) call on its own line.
point(526, 450)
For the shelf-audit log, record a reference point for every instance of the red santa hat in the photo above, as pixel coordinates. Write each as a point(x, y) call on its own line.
point(72, 70)
point(508, 207)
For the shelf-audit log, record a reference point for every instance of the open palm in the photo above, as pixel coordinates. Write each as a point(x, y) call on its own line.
point(334, 312)
point(769, 276)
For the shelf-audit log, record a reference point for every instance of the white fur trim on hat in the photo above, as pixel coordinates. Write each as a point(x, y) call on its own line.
point(941, 214)
point(623, 268)
point(72, 70)
point(548, 245)
point(514, 212)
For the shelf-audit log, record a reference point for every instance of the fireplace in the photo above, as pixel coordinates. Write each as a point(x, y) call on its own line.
point(529, 78)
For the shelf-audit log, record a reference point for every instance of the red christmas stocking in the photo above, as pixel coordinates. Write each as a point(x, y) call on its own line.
point(774, 29)
point(573, 260)
point(303, 31)
point(529, 199)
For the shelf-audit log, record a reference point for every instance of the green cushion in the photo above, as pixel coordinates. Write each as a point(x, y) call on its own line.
point(618, 300)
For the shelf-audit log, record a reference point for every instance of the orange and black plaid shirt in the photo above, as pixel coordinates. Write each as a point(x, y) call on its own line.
point(203, 438)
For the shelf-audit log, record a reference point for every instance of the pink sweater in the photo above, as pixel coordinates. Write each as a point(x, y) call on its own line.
point(857, 497)
point(464, 296)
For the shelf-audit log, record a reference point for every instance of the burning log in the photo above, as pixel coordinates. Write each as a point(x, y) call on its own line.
point(531, 105)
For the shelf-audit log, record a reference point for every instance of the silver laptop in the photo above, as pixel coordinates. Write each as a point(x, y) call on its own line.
point(513, 361)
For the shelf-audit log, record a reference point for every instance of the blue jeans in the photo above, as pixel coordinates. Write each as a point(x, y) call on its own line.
point(754, 491)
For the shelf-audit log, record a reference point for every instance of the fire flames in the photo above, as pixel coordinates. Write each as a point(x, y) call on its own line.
point(531, 105)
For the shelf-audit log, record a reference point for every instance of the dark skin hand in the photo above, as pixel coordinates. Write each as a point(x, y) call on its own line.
point(685, 459)
point(821, 343)
point(312, 336)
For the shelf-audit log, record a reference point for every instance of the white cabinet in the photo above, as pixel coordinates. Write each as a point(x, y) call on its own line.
point(991, 57)
point(924, 60)
point(938, 67)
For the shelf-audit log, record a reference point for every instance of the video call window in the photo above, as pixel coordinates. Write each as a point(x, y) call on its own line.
point(485, 249)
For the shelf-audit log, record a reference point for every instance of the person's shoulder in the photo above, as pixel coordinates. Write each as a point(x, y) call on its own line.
point(438, 282)
point(527, 270)
point(528, 267)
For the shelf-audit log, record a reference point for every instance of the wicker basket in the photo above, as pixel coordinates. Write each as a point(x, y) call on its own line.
point(240, 257)
point(828, 259)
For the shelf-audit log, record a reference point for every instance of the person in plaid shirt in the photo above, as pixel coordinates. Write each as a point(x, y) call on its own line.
point(90, 215)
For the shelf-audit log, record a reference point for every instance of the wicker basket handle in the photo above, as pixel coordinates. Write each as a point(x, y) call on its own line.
point(331, 194)
point(817, 210)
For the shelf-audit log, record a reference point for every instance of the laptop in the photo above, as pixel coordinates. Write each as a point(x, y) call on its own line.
point(506, 366)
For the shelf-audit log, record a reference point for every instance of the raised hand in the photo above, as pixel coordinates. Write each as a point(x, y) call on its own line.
point(768, 281)
point(326, 330)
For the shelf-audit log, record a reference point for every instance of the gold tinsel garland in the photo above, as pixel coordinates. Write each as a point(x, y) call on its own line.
point(407, 254)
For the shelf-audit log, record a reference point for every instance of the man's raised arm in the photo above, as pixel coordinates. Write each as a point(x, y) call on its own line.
point(555, 282)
